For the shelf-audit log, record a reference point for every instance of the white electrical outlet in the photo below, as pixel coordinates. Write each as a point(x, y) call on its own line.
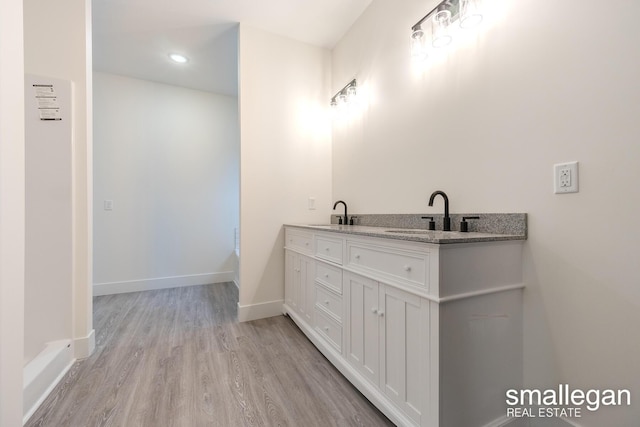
point(108, 205)
point(565, 178)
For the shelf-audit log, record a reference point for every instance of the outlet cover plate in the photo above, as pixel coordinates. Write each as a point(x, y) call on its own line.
point(565, 178)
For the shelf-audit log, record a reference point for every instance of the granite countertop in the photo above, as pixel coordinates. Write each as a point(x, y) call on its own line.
point(412, 234)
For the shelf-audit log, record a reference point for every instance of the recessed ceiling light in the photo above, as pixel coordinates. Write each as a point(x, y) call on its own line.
point(176, 57)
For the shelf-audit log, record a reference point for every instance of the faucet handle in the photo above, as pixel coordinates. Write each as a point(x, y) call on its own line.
point(464, 225)
point(432, 223)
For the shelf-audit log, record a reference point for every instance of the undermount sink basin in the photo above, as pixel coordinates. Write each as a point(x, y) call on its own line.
point(409, 231)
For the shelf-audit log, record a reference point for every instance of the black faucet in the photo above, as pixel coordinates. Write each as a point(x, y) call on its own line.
point(446, 221)
point(346, 218)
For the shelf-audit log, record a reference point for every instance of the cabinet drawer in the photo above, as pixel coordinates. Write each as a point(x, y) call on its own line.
point(329, 329)
point(329, 302)
point(298, 240)
point(397, 265)
point(329, 276)
point(329, 249)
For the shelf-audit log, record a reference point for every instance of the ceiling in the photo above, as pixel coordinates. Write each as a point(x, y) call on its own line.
point(135, 37)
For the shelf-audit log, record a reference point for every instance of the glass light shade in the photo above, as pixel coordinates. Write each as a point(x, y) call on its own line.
point(470, 13)
point(440, 29)
point(351, 93)
point(418, 48)
point(342, 99)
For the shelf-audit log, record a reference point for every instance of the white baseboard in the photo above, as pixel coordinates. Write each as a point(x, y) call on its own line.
point(111, 288)
point(43, 373)
point(246, 313)
point(83, 347)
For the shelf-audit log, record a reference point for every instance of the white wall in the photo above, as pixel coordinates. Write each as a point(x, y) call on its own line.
point(285, 157)
point(57, 43)
point(538, 83)
point(168, 158)
point(48, 235)
point(11, 212)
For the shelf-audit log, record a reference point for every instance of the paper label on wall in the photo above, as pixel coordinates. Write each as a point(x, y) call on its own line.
point(48, 106)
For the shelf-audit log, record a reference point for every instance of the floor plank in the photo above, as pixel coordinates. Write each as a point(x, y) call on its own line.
point(178, 357)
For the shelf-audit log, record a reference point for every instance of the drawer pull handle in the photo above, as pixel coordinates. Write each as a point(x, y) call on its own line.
point(407, 268)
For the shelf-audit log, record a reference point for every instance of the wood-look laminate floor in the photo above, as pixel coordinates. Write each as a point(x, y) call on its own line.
point(178, 357)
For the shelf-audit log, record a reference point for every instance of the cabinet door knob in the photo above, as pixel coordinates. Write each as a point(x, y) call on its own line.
point(326, 275)
point(327, 302)
point(326, 249)
point(374, 310)
point(326, 328)
point(357, 256)
point(407, 268)
point(380, 313)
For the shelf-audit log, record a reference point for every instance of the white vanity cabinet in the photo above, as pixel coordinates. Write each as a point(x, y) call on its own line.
point(430, 333)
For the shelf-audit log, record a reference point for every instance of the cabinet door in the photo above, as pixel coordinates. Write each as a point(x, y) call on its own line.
point(305, 293)
point(362, 322)
point(292, 280)
point(289, 273)
point(404, 356)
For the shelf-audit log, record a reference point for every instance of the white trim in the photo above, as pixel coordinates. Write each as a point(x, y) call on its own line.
point(43, 373)
point(161, 283)
point(12, 210)
point(247, 313)
point(83, 347)
point(237, 283)
point(480, 293)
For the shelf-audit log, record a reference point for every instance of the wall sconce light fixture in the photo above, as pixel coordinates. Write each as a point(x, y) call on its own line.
point(467, 12)
point(345, 95)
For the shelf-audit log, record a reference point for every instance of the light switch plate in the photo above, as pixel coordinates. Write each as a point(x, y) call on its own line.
point(312, 203)
point(565, 178)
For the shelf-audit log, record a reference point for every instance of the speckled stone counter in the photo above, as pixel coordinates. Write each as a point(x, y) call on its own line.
point(411, 227)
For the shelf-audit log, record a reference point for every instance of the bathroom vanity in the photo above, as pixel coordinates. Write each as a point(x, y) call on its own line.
point(426, 324)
